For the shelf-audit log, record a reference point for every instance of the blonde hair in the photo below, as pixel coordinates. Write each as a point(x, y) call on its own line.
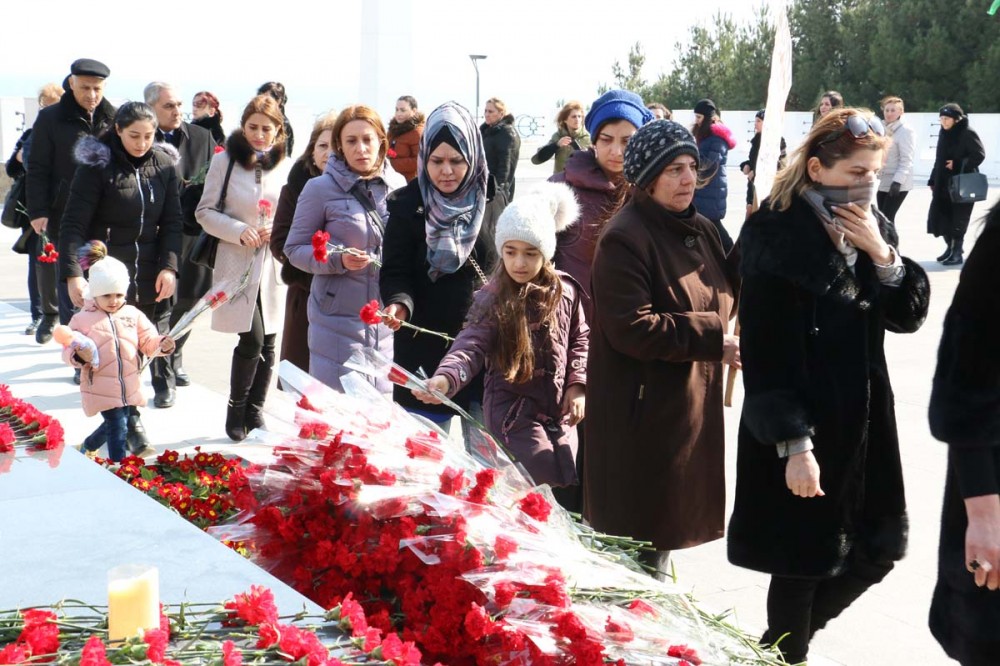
point(891, 99)
point(565, 112)
point(52, 91)
point(370, 116)
point(499, 104)
point(827, 148)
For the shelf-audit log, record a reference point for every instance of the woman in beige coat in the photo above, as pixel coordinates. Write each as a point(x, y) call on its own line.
point(241, 193)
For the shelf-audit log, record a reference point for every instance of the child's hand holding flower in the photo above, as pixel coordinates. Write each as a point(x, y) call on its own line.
point(574, 404)
point(438, 383)
point(167, 345)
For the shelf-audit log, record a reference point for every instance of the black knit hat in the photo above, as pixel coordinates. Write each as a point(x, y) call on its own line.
point(952, 110)
point(706, 107)
point(653, 147)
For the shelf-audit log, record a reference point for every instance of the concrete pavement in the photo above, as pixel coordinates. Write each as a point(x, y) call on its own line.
point(885, 627)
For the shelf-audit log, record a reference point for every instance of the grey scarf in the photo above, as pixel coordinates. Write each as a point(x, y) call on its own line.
point(452, 221)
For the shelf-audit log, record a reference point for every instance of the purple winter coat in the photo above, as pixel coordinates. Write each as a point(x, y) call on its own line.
point(595, 192)
point(527, 417)
point(337, 295)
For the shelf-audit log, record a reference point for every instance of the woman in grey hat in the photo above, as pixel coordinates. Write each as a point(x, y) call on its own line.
point(663, 295)
point(959, 150)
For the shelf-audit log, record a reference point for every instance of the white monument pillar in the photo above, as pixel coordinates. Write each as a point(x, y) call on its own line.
point(386, 54)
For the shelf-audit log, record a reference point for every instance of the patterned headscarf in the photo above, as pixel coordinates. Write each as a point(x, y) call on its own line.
point(452, 221)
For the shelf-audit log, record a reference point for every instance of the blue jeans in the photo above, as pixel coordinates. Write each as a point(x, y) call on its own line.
point(111, 432)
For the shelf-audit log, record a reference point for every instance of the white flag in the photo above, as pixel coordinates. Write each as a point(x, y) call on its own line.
point(777, 94)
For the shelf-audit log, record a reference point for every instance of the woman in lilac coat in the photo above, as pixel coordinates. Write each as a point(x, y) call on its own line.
point(347, 280)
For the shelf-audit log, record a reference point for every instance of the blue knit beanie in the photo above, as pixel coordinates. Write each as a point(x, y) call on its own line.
point(616, 105)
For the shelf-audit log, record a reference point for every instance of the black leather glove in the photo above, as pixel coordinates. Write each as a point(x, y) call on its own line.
point(894, 189)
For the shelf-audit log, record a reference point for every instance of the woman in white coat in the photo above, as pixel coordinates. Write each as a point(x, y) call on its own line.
point(241, 193)
point(897, 172)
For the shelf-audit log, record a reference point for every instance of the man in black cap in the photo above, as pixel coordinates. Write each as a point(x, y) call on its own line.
point(196, 147)
point(82, 110)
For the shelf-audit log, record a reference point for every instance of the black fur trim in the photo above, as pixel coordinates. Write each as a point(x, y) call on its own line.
point(776, 416)
point(906, 305)
point(240, 150)
point(794, 245)
point(397, 130)
point(91, 151)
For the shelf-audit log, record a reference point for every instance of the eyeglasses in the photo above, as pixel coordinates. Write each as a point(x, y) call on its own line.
point(858, 126)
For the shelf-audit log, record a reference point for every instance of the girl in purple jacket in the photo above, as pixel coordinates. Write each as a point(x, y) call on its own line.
point(528, 328)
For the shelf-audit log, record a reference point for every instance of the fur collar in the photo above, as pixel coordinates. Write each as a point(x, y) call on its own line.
point(98, 152)
point(505, 124)
point(103, 114)
point(397, 130)
point(240, 150)
point(724, 133)
point(793, 245)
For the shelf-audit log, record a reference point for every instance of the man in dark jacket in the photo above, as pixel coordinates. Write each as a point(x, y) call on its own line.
point(81, 111)
point(196, 147)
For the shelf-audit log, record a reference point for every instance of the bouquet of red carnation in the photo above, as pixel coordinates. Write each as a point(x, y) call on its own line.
point(322, 247)
point(49, 254)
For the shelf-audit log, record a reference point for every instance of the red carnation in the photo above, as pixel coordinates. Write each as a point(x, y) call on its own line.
point(423, 446)
point(7, 438)
point(619, 631)
point(93, 653)
point(504, 546)
point(684, 652)
point(370, 314)
point(319, 241)
point(390, 153)
point(452, 481)
point(398, 377)
point(231, 656)
point(15, 653)
point(219, 149)
point(484, 483)
point(536, 506)
point(156, 641)
point(255, 607)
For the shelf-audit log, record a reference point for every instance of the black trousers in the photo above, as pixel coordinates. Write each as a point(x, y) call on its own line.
point(889, 204)
point(799, 607)
point(161, 369)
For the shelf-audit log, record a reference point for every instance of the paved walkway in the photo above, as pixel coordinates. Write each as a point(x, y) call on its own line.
point(886, 627)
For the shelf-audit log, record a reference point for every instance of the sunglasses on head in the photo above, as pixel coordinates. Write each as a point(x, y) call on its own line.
point(859, 127)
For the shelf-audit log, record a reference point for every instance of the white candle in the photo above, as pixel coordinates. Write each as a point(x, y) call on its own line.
point(133, 600)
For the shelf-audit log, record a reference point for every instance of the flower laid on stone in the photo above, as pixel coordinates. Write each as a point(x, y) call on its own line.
point(246, 629)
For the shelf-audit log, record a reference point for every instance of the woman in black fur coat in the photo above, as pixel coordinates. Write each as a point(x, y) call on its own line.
point(965, 413)
point(819, 485)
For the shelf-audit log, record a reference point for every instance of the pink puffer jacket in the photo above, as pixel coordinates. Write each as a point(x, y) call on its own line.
point(119, 338)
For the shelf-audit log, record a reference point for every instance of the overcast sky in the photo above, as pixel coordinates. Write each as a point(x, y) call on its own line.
point(538, 52)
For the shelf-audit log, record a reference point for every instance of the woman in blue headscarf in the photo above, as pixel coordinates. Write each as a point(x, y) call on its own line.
point(433, 256)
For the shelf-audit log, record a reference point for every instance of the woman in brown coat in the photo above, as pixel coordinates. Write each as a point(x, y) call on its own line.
point(663, 294)
point(405, 130)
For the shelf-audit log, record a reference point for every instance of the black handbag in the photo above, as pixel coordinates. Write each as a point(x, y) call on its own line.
point(13, 206)
point(967, 188)
point(206, 246)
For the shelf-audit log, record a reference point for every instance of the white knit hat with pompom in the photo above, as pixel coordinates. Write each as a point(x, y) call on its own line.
point(107, 276)
point(536, 217)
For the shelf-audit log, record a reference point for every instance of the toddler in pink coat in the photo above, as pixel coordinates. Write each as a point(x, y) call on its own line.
point(108, 343)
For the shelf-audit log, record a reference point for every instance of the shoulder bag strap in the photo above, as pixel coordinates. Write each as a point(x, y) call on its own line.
point(366, 203)
point(221, 205)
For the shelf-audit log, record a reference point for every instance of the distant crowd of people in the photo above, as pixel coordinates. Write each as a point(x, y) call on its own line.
point(588, 322)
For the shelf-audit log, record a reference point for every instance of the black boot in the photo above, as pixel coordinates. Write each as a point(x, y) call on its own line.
point(258, 390)
point(240, 379)
point(44, 331)
point(135, 437)
point(947, 249)
point(955, 258)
